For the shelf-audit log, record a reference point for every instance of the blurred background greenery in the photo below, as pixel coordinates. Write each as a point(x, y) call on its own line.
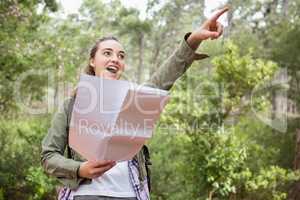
point(209, 143)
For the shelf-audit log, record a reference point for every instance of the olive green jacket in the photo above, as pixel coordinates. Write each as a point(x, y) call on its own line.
point(55, 142)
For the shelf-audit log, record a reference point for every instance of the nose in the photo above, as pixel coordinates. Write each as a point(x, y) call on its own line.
point(115, 58)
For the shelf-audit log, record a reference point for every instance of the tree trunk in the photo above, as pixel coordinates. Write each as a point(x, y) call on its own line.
point(294, 193)
point(285, 5)
point(154, 58)
point(141, 58)
point(229, 22)
point(210, 195)
point(271, 7)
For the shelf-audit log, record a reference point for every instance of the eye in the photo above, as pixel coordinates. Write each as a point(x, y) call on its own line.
point(107, 53)
point(121, 56)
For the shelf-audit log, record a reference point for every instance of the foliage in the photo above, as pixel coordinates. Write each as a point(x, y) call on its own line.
point(223, 159)
point(19, 23)
point(169, 165)
point(220, 162)
point(43, 187)
point(21, 176)
point(208, 144)
point(271, 183)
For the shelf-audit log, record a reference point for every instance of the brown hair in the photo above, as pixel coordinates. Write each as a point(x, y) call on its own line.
point(90, 69)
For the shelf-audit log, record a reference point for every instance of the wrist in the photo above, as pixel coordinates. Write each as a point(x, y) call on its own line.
point(79, 173)
point(193, 41)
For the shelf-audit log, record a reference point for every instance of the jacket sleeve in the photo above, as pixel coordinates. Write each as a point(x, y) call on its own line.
point(53, 147)
point(174, 66)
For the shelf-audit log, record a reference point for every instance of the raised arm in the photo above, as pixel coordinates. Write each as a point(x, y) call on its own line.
point(184, 55)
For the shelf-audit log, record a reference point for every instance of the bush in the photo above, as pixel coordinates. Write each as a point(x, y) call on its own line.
point(21, 176)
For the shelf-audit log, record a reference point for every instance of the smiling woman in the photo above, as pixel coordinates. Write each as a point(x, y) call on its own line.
point(126, 180)
point(107, 59)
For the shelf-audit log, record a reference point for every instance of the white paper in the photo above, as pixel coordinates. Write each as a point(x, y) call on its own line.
point(112, 119)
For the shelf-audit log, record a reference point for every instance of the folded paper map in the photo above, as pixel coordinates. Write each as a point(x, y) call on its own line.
point(112, 119)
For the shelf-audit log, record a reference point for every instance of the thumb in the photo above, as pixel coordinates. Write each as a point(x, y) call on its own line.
point(212, 34)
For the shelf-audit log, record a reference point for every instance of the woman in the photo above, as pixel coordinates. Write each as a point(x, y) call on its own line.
point(105, 179)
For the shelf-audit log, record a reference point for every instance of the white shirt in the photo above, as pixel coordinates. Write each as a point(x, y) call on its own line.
point(113, 183)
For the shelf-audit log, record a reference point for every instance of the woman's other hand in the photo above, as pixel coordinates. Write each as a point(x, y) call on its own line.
point(94, 169)
point(211, 28)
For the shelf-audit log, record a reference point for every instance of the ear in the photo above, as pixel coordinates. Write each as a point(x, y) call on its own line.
point(92, 62)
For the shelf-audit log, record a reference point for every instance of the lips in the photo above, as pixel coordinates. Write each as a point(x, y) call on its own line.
point(112, 68)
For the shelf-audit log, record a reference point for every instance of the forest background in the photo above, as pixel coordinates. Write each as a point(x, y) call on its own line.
point(231, 129)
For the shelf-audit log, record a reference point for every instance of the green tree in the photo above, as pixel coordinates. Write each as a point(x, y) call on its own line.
point(19, 23)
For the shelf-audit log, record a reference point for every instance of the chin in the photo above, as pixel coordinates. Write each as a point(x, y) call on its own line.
point(110, 77)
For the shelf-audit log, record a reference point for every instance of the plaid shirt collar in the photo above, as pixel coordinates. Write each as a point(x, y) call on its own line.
point(140, 187)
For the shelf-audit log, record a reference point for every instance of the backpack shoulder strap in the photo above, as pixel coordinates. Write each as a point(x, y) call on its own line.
point(69, 115)
point(70, 109)
point(147, 163)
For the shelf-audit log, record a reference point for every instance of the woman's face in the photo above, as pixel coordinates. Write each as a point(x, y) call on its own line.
point(109, 60)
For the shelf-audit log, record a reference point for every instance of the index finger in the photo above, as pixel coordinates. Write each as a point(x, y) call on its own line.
point(220, 12)
point(102, 163)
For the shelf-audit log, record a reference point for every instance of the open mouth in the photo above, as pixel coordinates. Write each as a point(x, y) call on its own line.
point(112, 69)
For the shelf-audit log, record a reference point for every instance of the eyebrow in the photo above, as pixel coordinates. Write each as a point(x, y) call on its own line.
point(113, 50)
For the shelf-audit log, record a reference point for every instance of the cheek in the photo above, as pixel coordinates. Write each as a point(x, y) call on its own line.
point(100, 62)
point(122, 65)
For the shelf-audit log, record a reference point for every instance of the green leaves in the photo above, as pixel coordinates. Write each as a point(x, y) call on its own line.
point(219, 163)
point(20, 168)
point(41, 184)
point(272, 182)
point(208, 145)
point(225, 151)
point(241, 74)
